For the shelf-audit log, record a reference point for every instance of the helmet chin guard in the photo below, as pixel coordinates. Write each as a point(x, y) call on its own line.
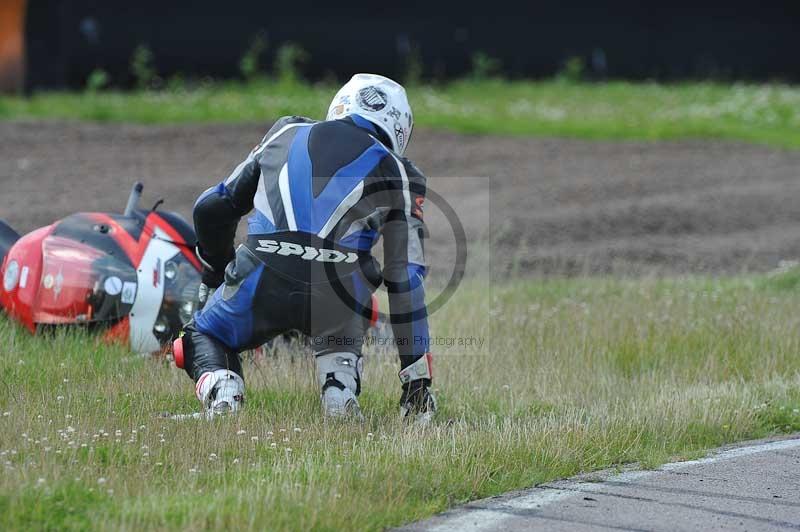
point(380, 100)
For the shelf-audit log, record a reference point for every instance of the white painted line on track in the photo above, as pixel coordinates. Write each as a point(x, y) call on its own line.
point(492, 516)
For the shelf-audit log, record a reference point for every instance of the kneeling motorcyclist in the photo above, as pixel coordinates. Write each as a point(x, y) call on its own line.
point(322, 193)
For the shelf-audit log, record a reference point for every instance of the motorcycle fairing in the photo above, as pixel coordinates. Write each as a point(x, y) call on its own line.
point(135, 274)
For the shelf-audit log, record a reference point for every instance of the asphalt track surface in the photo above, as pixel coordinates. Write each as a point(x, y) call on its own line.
point(550, 206)
point(753, 486)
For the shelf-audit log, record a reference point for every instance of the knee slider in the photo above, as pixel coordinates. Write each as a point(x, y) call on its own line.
point(342, 370)
point(177, 353)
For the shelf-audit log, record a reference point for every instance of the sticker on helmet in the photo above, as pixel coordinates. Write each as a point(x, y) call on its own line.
point(399, 134)
point(372, 99)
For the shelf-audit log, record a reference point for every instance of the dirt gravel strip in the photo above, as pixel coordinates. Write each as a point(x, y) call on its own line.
point(755, 486)
point(554, 206)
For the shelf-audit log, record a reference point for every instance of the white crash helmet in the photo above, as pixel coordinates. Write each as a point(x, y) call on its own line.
point(380, 100)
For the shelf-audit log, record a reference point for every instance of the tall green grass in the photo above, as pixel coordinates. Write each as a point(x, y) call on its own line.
point(573, 375)
point(767, 113)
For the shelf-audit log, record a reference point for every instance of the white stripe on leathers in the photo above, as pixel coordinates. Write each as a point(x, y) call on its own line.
point(347, 203)
point(286, 197)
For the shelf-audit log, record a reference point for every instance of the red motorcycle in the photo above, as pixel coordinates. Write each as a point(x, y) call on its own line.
point(133, 277)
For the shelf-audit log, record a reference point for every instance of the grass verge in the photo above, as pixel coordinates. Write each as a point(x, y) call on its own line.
point(573, 375)
point(768, 114)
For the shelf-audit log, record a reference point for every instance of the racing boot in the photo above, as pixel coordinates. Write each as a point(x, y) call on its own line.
point(339, 376)
point(417, 404)
point(221, 392)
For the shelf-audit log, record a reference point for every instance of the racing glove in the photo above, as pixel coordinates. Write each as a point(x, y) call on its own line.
point(213, 274)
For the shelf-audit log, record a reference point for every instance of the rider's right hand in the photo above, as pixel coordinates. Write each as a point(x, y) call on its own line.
point(212, 276)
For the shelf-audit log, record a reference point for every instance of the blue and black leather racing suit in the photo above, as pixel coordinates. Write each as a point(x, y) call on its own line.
point(322, 194)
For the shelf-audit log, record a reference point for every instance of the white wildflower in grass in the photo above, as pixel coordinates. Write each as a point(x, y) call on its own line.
point(286, 440)
point(241, 432)
point(212, 456)
point(193, 470)
point(6, 414)
point(59, 398)
point(235, 461)
point(101, 480)
point(273, 445)
point(253, 438)
point(298, 430)
point(370, 435)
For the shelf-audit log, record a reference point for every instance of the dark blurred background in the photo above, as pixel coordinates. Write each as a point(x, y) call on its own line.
point(58, 43)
